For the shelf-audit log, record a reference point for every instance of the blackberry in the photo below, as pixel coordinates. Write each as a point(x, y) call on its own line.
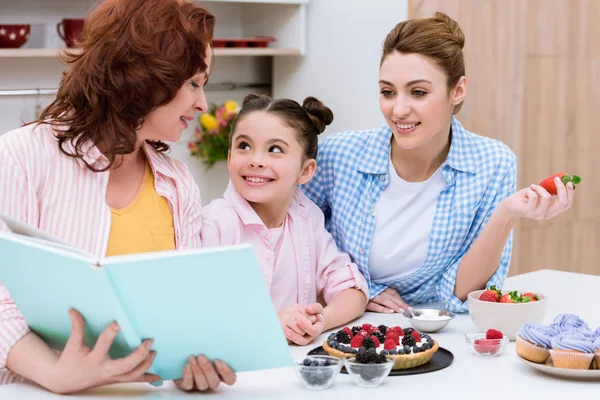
point(379, 336)
point(318, 351)
point(406, 350)
point(408, 331)
point(372, 350)
point(382, 329)
point(362, 349)
point(380, 359)
point(408, 340)
point(355, 330)
point(343, 337)
point(363, 358)
point(368, 342)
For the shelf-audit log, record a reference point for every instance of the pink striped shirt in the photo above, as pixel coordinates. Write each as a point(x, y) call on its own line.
point(305, 263)
point(46, 189)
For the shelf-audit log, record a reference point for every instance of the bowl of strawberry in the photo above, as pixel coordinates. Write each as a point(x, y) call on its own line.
point(506, 310)
point(487, 344)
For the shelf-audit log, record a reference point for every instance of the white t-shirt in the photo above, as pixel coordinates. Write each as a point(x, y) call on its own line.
point(403, 220)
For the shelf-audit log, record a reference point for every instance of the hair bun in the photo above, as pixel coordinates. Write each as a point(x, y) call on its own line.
point(452, 26)
point(319, 113)
point(254, 96)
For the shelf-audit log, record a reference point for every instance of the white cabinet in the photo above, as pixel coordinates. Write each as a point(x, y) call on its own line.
point(283, 19)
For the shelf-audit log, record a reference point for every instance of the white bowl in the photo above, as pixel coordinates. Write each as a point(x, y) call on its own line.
point(508, 318)
point(428, 319)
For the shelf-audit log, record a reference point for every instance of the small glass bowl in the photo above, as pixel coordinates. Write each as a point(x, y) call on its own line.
point(485, 347)
point(368, 375)
point(318, 372)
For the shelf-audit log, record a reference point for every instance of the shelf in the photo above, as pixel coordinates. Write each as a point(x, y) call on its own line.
point(219, 52)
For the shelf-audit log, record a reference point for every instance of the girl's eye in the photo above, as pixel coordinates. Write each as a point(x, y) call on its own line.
point(419, 93)
point(243, 146)
point(387, 93)
point(276, 149)
point(195, 84)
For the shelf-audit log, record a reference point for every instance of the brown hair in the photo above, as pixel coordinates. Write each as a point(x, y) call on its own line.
point(135, 56)
point(309, 119)
point(438, 38)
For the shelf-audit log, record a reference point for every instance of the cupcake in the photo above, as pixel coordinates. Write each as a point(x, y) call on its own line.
point(573, 350)
point(597, 349)
point(567, 322)
point(534, 342)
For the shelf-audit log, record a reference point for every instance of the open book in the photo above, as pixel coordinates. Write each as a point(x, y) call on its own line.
point(205, 301)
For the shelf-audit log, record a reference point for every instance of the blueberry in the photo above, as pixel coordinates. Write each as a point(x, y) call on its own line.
point(331, 337)
point(372, 350)
point(306, 362)
point(406, 350)
point(430, 342)
point(362, 349)
point(328, 362)
point(330, 343)
point(393, 352)
point(384, 352)
point(314, 363)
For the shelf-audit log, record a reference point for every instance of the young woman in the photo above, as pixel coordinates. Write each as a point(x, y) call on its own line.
point(424, 207)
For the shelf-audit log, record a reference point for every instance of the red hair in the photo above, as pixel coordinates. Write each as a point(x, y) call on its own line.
point(135, 56)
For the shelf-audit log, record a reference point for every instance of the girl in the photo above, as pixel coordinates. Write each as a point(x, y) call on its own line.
point(423, 206)
point(93, 173)
point(273, 149)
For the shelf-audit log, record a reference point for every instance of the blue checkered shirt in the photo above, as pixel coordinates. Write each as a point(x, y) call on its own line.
point(353, 172)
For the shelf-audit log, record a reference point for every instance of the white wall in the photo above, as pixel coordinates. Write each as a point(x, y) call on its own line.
point(341, 66)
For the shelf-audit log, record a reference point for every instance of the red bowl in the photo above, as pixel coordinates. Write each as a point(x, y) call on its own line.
point(14, 36)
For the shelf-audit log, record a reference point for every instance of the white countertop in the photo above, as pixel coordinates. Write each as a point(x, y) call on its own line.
point(469, 377)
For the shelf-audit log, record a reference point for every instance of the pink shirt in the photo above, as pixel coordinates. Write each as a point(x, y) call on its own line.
point(59, 195)
point(306, 262)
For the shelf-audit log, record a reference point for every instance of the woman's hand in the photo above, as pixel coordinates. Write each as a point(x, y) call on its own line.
point(200, 374)
point(302, 324)
point(536, 203)
point(79, 367)
point(388, 302)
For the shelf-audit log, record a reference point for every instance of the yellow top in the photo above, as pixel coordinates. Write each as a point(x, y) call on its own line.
point(145, 225)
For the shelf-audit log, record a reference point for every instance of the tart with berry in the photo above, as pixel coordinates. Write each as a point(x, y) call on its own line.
point(407, 347)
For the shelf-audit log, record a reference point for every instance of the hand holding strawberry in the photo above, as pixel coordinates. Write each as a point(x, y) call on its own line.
point(537, 201)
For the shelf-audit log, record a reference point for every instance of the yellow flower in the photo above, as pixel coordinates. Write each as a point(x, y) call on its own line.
point(231, 106)
point(209, 122)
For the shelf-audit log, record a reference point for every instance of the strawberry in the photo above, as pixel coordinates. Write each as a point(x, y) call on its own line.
point(532, 297)
point(550, 186)
point(376, 341)
point(493, 334)
point(492, 294)
point(389, 344)
point(416, 335)
point(348, 331)
point(357, 341)
point(506, 298)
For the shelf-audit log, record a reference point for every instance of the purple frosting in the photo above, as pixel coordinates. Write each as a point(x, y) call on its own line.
point(567, 322)
point(537, 334)
point(596, 333)
point(597, 343)
point(573, 340)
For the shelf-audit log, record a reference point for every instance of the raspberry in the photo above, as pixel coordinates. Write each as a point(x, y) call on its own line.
point(393, 336)
point(348, 331)
point(493, 334)
point(357, 341)
point(416, 335)
point(389, 344)
point(376, 341)
point(398, 330)
point(363, 333)
point(368, 328)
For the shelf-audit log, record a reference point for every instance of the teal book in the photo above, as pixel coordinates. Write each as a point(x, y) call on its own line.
point(205, 301)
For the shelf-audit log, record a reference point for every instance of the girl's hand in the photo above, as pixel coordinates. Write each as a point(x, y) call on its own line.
point(388, 302)
point(200, 374)
point(536, 203)
point(80, 367)
point(292, 320)
point(310, 330)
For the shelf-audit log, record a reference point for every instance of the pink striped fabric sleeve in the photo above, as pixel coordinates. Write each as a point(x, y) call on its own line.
point(12, 323)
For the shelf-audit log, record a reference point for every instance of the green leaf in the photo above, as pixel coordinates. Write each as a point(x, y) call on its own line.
point(525, 299)
point(576, 180)
point(566, 179)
